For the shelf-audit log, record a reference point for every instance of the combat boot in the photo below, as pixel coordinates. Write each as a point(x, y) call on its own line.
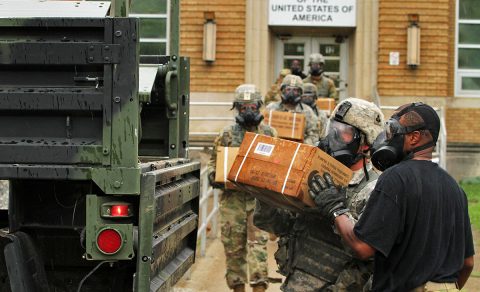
point(239, 288)
point(259, 288)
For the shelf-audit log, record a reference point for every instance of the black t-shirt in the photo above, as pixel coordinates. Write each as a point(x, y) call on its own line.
point(417, 221)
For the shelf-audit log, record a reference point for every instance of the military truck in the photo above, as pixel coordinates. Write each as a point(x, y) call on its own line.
point(94, 143)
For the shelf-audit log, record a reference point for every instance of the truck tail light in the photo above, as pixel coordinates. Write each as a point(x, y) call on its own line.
point(109, 241)
point(119, 211)
point(113, 210)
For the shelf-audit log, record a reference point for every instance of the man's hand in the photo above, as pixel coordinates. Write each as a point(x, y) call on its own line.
point(328, 198)
point(211, 180)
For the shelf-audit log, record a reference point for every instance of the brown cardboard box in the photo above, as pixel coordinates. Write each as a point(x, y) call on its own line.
point(225, 158)
point(277, 170)
point(288, 125)
point(326, 104)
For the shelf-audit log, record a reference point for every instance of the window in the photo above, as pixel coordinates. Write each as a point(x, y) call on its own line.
point(468, 49)
point(153, 16)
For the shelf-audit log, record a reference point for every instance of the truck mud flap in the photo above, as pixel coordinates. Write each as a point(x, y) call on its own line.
point(168, 225)
point(24, 265)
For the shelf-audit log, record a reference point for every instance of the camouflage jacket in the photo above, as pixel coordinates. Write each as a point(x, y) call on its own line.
point(232, 136)
point(322, 121)
point(273, 95)
point(309, 244)
point(325, 86)
point(311, 135)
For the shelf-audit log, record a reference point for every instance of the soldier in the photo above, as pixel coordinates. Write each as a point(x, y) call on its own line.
point(325, 86)
point(311, 254)
point(296, 68)
point(273, 94)
point(309, 97)
point(291, 93)
point(243, 242)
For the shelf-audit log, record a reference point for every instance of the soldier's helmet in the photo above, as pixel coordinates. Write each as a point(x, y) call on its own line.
point(361, 114)
point(292, 81)
point(309, 89)
point(247, 93)
point(316, 58)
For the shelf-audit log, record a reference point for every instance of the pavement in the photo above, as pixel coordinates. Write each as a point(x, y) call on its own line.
point(208, 272)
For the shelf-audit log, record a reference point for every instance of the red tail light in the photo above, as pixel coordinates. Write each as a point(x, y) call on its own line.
point(109, 241)
point(119, 211)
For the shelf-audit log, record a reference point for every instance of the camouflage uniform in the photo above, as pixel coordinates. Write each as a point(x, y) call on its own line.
point(325, 86)
point(311, 135)
point(243, 242)
point(273, 95)
point(310, 254)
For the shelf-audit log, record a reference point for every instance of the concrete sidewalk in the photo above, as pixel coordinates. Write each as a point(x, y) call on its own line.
point(208, 273)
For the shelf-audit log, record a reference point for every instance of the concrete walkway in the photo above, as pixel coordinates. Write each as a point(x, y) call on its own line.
point(208, 273)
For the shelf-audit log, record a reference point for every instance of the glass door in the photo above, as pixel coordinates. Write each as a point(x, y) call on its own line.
point(300, 48)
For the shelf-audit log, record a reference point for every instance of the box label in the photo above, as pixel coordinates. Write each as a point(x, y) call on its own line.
point(264, 149)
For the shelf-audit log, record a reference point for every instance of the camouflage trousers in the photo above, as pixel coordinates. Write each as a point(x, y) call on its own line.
point(245, 245)
point(349, 280)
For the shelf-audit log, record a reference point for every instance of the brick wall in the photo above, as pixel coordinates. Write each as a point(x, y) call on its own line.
point(227, 71)
point(432, 77)
point(463, 125)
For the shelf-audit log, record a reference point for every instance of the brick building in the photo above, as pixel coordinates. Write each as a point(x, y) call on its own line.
point(365, 44)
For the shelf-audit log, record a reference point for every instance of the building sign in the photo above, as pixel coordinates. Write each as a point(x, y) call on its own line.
point(330, 13)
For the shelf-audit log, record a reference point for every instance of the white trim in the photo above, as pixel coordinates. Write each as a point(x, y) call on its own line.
point(144, 15)
point(460, 73)
point(153, 40)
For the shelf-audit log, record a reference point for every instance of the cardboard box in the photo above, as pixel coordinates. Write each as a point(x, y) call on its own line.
point(225, 158)
point(288, 125)
point(277, 171)
point(326, 104)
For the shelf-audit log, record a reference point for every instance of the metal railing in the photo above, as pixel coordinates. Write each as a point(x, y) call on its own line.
point(205, 216)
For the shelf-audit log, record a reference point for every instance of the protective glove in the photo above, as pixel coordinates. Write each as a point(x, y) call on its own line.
point(328, 198)
point(211, 180)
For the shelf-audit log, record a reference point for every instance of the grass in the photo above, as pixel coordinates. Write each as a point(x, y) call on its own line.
point(473, 195)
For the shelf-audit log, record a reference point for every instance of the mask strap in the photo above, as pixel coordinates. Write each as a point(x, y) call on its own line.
point(365, 171)
point(419, 148)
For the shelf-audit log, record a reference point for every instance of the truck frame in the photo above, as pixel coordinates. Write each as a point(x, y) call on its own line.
point(94, 142)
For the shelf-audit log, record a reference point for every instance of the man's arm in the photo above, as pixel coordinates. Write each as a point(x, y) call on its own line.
point(345, 228)
point(464, 273)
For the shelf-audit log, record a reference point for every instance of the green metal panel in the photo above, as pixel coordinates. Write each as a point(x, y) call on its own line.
point(95, 224)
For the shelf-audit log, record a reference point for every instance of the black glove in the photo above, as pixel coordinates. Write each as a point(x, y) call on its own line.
point(211, 180)
point(328, 198)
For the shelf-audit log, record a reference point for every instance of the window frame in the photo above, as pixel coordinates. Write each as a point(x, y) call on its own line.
point(166, 16)
point(460, 73)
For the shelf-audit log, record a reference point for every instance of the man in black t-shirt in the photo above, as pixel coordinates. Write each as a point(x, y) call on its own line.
point(416, 222)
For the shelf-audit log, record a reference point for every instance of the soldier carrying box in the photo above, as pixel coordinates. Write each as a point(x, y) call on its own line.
point(243, 242)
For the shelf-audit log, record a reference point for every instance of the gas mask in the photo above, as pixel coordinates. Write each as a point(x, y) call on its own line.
point(316, 69)
point(388, 149)
point(249, 115)
point(342, 143)
point(296, 71)
point(309, 98)
point(291, 95)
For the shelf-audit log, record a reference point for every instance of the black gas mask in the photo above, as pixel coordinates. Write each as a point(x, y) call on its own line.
point(248, 115)
point(309, 98)
point(388, 149)
point(342, 143)
point(316, 69)
point(291, 94)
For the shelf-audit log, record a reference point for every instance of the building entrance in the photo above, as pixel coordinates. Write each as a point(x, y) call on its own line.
point(300, 48)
